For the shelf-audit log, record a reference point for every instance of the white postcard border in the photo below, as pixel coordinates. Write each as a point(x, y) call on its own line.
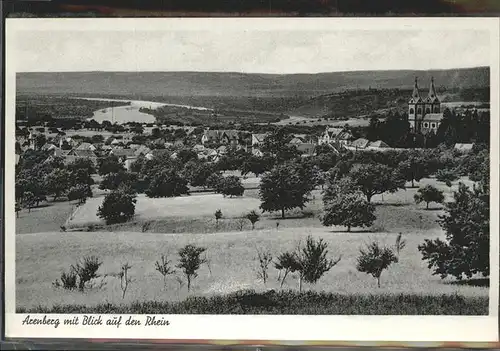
point(244, 327)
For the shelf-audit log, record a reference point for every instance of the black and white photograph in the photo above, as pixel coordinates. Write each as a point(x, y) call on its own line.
point(271, 167)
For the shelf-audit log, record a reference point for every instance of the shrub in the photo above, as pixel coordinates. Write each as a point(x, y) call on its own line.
point(429, 194)
point(86, 270)
point(375, 259)
point(117, 207)
point(190, 262)
point(253, 217)
point(218, 215)
point(68, 281)
point(400, 243)
point(240, 222)
point(286, 262)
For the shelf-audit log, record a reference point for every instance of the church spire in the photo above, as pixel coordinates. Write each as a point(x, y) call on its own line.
point(432, 90)
point(415, 93)
point(432, 97)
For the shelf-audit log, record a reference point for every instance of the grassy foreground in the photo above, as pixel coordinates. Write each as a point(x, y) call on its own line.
point(292, 302)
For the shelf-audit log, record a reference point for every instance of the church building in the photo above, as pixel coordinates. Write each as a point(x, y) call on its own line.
point(424, 113)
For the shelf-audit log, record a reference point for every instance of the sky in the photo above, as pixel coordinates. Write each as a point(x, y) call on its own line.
point(252, 51)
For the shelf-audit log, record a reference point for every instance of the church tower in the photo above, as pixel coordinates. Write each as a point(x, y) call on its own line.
point(432, 103)
point(416, 107)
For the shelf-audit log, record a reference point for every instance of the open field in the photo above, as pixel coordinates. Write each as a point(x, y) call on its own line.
point(195, 213)
point(48, 217)
point(186, 206)
point(42, 257)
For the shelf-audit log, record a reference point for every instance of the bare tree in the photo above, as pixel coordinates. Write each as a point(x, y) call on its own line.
point(265, 258)
point(164, 268)
point(125, 280)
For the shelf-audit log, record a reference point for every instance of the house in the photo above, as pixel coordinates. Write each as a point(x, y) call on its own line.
point(379, 144)
point(360, 143)
point(296, 141)
point(158, 153)
point(178, 143)
point(86, 146)
point(74, 155)
point(141, 150)
point(226, 137)
point(48, 147)
point(306, 149)
point(335, 135)
point(198, 148)
point(230, 137)
point(464, 147)
point(210, 136)
point(126, 156)
point(257, 152)
point(123, 153)
point(258, 139)
point(222, 150)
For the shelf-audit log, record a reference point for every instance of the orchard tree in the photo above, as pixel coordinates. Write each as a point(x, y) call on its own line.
point(57, 182)
point(231, 186)
point(414, 168)
point(29, 200)
point(18, 208)
point(167, 183)
point(112, 181)
point(190, 261)
point(348, 209)
point(310, 261)
point(109, 164)
point(446, 176)
point(277, 145)
point(256, 165)
point(213, 181)
point(429, 194)
point(465, 251)
point(185, 155)
point(85, 164)
point(117, 207)
point(375, 259)
point(79, 192)
point(197, 172)
point(283, 188)
point(81, 176)
point(375, 178)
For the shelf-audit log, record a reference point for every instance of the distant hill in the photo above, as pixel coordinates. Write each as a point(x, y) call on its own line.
point(217, 84)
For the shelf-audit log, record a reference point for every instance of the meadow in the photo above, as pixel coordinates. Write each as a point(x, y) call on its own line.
point(232, 266)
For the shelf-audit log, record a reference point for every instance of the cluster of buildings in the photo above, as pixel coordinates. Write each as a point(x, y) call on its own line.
point(424, 114)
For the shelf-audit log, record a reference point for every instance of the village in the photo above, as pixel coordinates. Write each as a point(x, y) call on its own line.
point(157, 140)
point(250, 193)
